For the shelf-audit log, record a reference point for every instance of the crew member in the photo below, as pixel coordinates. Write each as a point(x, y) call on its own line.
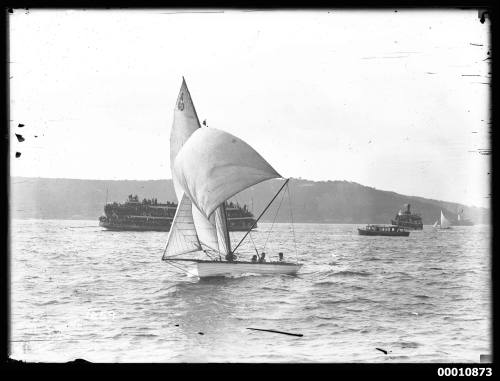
point(230, 257)
point(262, 258)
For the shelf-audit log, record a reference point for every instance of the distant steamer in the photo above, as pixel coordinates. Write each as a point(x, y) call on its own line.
point(406, 219)
point(149, 215)
point(384, 230)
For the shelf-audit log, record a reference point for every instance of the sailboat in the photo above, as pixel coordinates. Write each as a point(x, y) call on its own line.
point(209, 166)
point(444, 223)
point(462, 221)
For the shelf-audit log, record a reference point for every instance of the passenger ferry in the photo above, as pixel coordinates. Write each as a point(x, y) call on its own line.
point(150, 215)
point(384, 230)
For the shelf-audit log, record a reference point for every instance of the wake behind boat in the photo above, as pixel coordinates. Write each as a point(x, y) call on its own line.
point(208, 167)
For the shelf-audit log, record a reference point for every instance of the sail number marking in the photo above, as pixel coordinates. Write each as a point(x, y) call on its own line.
point(180, 105)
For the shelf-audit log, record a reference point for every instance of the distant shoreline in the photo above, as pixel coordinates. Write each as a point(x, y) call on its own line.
point(262, 222)
point(325, 202)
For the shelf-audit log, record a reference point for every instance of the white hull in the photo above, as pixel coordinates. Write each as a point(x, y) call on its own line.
point(208, 269)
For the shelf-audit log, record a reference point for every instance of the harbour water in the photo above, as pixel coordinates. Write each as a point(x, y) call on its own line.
point(79, 291)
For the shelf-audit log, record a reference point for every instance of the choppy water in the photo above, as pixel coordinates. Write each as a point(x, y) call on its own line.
point(79, 291)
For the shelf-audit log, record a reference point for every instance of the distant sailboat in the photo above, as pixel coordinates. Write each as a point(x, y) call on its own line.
point(208, 167)
point(444, 223)
point(462, 221)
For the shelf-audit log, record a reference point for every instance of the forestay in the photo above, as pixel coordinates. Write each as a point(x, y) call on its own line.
point(214, 165)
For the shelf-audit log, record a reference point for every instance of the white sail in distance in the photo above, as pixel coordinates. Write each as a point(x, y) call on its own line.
point(445, 224)
point(435, 224)
point(214, 165)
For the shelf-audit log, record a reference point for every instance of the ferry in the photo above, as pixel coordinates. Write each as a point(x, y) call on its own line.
point(384, 230)
point(150, 215)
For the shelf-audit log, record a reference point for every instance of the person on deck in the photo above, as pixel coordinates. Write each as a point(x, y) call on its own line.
point(262, 258)
point(254, 258)
point(280, 255)
point(230, 257)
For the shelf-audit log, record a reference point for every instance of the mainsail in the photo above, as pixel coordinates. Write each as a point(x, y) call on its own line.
point(445, 224)
point(214, 165)
point(200, 229)
point(185, 123)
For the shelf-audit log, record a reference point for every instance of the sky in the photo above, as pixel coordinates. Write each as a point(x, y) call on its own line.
point(398, 101)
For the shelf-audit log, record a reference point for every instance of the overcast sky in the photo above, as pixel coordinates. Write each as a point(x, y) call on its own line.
point(393, 100)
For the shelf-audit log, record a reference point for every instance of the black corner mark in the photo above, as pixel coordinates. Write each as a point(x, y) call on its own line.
point(79, 361)
point(11, 10)
point(18, 154)
point(20, 125)
point(483, 15)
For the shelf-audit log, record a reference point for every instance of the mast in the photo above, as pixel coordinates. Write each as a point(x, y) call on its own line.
point(258, 218)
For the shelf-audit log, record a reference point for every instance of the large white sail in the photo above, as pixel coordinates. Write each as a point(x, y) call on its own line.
point(206, 230)
point(445, 224)
point(182, 237)
point(185, 123)
point(214, 165)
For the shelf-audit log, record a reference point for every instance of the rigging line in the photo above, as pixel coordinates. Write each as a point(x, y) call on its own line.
point(208, 255)
point(182, 253)
point(291, 217)
point(254, 246)
point(272, 225)
point(255, 222)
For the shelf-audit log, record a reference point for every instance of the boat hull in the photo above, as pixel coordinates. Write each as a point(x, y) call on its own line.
point(149, 227)
point(216, 268)
point(383, 233)
point(134, 227)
